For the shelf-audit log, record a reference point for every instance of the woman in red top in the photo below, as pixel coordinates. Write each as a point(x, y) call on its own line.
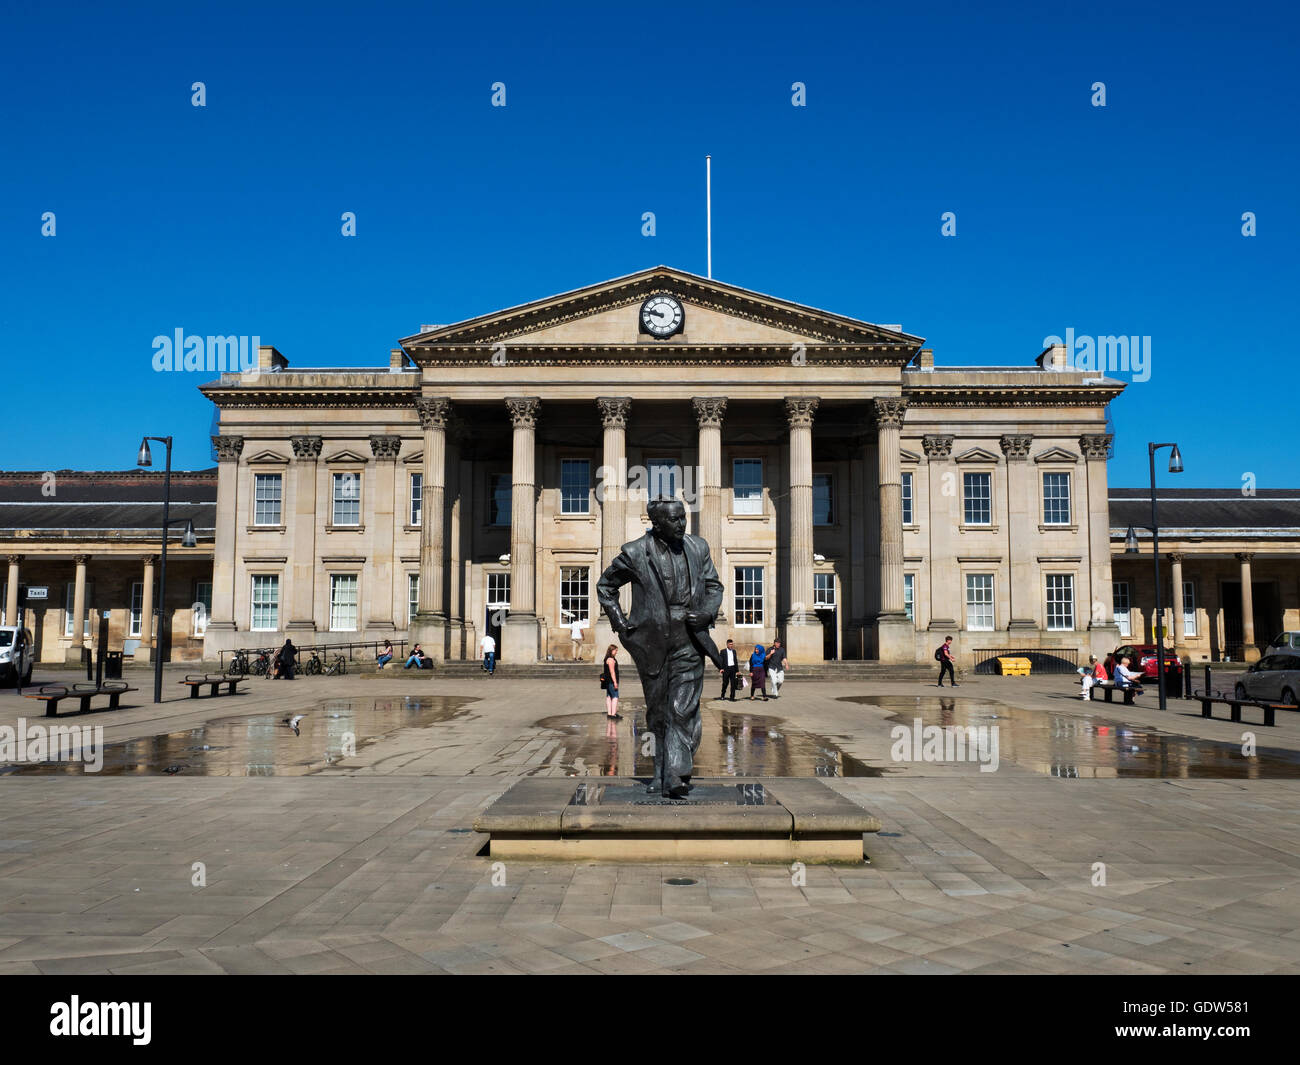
point(1095, 673)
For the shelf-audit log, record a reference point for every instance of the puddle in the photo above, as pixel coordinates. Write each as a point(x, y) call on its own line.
point(262, 745)
point(1079, 745)
point(734, 744)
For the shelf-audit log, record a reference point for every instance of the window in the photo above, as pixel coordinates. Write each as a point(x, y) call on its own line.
point(575, 594)
point(266, 498)
point(202, 606)
point(908, 518)
point(1056, 499)
point(1121, 606)
point(70, 591)
point(1060, 601)
point(499, 493)
point(498, 589)
point(417, 497)
point(909, 594)
point(979, 601)
point(575, 486)
point(347, 499)
point(343, 602)
point(137, 608)
point(747, 486)
point(823, 591)
point(1189, 609)
point(823, 500)
point(266, 603)
point(412, 596)
point(748, 595)
point(978, 496)
point(662, 478)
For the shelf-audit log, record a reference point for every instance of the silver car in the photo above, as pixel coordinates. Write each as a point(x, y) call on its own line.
point(9, 666)
point(1286, 643)
point(1273, 679)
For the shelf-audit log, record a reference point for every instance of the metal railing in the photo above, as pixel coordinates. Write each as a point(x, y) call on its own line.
point(351, 650)
point(1041, 659)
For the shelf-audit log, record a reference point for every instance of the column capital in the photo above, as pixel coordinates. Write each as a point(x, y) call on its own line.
point(1016, 447)
point(1175, 557)
point(937, 445)
point(15, 559)
point(80, 560)
point(889, 412)
point(710, 410)
point(228, 447)
point(434, 411)
point(614, 411)
point(306, 448)
point(149, 560)
point(1245, 556)
point(1096, 445)
point(385, 448)
point(799, 411)
point(524, 411)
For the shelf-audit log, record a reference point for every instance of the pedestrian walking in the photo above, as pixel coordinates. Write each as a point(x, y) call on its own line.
point(730, 670)
point(944, 656)
point(775, 666)
point(757, 672)
point(575, 636)
point(488, 649)
point(609, 679)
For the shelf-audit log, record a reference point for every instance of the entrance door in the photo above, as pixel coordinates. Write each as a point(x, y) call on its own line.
point(1267, 609)
point(498, 606)
point(830, 633)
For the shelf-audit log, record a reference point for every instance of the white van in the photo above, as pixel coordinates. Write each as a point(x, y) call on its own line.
point(8, 666)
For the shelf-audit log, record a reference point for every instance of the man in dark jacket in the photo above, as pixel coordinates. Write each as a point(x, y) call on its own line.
point(286, 658)
point(675, 597)
point(730, 669)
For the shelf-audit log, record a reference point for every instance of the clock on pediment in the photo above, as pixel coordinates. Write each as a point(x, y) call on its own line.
point(662, 316)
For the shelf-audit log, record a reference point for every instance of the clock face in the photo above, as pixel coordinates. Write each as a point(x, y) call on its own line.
point(662, 316)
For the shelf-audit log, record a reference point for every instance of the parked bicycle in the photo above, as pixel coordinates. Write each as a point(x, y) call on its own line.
point(262, 664)
point(239, 664)
point(314, 666)
point(337, 667)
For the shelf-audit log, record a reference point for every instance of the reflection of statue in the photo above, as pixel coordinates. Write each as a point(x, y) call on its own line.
point(675, 597)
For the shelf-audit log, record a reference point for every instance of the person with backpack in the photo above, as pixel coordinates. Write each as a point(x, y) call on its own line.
point(944, 656)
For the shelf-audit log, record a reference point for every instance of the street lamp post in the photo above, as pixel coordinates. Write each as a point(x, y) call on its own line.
point(187, 540)
point(1131, 548)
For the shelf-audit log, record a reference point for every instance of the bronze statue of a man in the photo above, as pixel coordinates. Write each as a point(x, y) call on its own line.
point(675, 597)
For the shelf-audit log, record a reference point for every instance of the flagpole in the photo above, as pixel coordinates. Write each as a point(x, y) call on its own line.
point(708, 208)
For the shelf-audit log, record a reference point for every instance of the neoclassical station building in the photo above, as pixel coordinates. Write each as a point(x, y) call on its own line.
point(860, 501)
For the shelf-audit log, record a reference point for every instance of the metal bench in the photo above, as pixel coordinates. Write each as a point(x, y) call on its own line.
point(1235, 705)
point(213, 681)
point(1110, 687)
point(52, 694)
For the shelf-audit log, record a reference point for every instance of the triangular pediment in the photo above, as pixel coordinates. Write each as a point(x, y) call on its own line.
point(347, 455)
point(714, 315)
point(1056, 454)
point(909, 456)
point(977, 454)
point(266, 458)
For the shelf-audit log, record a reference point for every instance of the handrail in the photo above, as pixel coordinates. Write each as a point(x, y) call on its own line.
point(399, 648)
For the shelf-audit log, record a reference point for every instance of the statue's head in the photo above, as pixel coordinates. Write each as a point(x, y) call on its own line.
point(668, 517)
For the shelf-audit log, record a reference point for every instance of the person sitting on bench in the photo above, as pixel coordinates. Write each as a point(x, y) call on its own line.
point(1126, 680)
point(1093, 674)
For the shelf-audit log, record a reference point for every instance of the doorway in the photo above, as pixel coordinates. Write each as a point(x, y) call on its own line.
point(1266, 601)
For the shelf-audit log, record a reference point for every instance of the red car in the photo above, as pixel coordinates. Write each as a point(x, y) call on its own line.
point(1142, 659)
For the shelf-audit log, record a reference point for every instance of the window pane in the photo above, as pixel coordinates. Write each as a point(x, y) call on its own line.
point(748, 595)
point(909, 592)
point(266, 499)
point(978, 498)
point(417, 497)
point(266, 603)
point(823, 590)
point(1121, 606)
point(823, 500)
point(499, 492)
point(498, 589)
point(575, 597)
point(979, 602)
point(575, 486)
point(412, 596)
point(137, 607)
point(1056, 499)
point(347, 499)
point(747, 486)
point(202, 606)
point(907, 499)
point(1189, 609)
point(1060, 601)
point(343, 602)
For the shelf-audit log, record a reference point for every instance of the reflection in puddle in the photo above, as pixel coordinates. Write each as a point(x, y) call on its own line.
point(262, 745)
point(734, 745)
point(1084, 745)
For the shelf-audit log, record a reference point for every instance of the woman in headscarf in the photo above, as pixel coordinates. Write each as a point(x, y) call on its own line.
point(758, 672)
point(286, 659)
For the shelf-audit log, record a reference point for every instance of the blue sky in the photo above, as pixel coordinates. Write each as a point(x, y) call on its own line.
point(226, 219)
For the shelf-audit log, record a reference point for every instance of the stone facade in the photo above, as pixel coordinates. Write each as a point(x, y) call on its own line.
point(859, 501)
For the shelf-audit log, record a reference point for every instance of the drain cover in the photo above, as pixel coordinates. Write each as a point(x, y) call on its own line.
point(680, 881)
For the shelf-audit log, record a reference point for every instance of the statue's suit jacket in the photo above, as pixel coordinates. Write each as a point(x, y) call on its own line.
point(637, 564)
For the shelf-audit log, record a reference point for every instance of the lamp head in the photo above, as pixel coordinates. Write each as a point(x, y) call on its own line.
point(1175, 460)
point(188, 539)
point(1131, 541)
point(144, 458)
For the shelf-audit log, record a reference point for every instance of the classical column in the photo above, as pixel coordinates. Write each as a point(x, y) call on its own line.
point(1022, 585)
point(454, 491)
point(222, 620)
point(11, 594)
point(1104, 633)
point(429, 626)
point(709, 412)
point(78, 609)
point(144, 653)
point(520, 633)
point(1250, 652)
point(303, 565)
point(945, 590)
point(379, 590)
point(1176, 604)
point(804, 641)
point(895, 634)
point(612, 495)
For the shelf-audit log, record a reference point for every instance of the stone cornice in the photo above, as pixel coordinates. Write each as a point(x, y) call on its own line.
point(1011, 395)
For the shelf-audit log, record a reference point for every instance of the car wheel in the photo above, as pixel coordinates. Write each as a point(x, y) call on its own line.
point(1240, 693)
point(1288, 697)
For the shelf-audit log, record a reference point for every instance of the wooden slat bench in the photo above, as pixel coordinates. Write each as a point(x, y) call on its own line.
point(1109, 687)
point(213, 681)
point(53, 694)
point(1235, 705)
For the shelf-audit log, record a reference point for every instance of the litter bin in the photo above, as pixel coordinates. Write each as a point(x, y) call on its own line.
point(113, 665)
